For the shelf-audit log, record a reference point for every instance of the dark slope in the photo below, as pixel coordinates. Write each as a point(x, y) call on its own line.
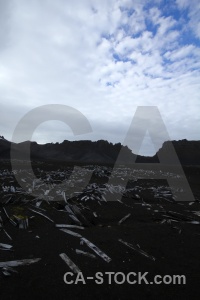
point(4, 148)
point(188, 151)
point(101, 151)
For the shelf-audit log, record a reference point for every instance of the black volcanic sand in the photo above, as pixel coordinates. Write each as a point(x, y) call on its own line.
point(175, 246)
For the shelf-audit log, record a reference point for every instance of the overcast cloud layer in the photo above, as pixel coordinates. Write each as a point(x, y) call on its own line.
point(103, 58)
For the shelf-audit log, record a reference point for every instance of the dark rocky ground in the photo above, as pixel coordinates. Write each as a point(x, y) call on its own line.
point(160, 226)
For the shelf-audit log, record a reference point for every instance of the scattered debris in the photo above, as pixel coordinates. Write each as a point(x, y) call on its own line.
point(177, 228)
point(197, 213)
point(70, 263)
point(41, 214)
point(124, 219)
point(69, 226)
point(5, 246)
point(16, 263)
point(78, 205)
point(137, 249)
point(178, 217)
point(85, 253)
point(7, 234)
point(71, 232)
point(11, 221)
point(74, 218)
point(8, 270)
point(96, 250)
point(194, 222)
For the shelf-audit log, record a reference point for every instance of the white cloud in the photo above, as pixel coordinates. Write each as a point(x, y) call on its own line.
point(194, 14)
point(102, 57)
point(180, 53)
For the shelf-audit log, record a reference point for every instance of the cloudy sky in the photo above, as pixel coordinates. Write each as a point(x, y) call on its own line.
point(104, 58)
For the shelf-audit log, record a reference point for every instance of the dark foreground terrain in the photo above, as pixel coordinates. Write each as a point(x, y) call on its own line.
point(136, 227)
